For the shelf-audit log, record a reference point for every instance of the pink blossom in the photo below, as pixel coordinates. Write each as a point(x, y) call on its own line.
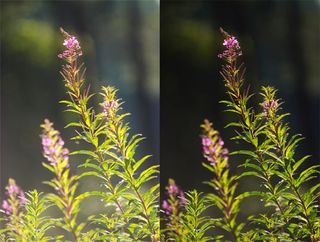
point(73, 48)
point(176, 198)
point(221, 142)
point(167, 208)
point(206, 150)
point(182, 198)
point(173, 189)
point(7, 207)
point(233, 49)
point(110, 107)
point(71, 43)
point(231, 43)
point(22, 198)
point(270, 105)
point(53, 144)
point(16, 198)
point(13, 189)
point(213, 149)
point(206, 141)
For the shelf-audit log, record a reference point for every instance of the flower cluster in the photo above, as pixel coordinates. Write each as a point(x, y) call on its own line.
point(110, 104)
point(231, 43)
point(176, 199)
point(53, 144)
point(167, 208)
point(73, 48)
point(109, 107)
point(232, 48)
point(212, 145)
point(269, 106)
point(16, 198)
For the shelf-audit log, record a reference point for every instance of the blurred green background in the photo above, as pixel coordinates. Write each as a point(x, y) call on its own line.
point(280, 43)
point(120, 41)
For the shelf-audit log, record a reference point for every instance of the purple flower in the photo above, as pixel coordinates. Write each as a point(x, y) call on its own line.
point(22, 198)
point(167, 208)
point(176, 199)
point(231, 43)
point(7, 207)
point(206, 141)
point(73, 50)
point(182, 199)
point(16, 198)
point(173, 189)
point(225, 154)
point(269, 105)
point(233, 49)
point(221, 142)
point(13, 189)
point(212, 145)
point(110, 107)
point(206, 150)
point(53, 144)
point(71, 43)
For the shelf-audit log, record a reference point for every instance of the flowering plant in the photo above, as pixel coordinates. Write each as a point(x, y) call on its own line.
point(291, 201)
point(130, 191)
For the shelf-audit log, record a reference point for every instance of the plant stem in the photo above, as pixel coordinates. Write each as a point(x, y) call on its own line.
point(67, 205)
point(72, 231)
point(87, 123)
point(249, 126)
point(132, 184)
point(228, 202)
point(238, 99)
point(113, 193)
point(291, 181)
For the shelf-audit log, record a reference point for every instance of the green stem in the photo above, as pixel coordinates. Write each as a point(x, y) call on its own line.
point(72, 231)
point(88, 126)
point(121, 147)
point(153, 233)
point(226, 199)
point(113, 193)
point(261, 160)
point(239, 101)
point(291, 180)
point(67, 206)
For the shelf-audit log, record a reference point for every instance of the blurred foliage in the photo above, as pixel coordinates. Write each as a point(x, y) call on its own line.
point(32, 40)
point(197, 50)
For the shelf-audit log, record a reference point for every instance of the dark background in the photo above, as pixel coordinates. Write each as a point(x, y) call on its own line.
point(120, 42)
point(280, 43)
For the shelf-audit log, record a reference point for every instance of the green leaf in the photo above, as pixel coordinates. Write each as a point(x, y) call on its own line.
point(49, 167)
point(90, 173)
point(299, 163)
point(85, 152)
point(244, 152)
point(307, 175)
point(140, 162)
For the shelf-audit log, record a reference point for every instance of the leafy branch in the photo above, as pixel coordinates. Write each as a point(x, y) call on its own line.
point(224, 184)
point(113, 151)
point(251, 130)
point(277, 132)
point(64, 183)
